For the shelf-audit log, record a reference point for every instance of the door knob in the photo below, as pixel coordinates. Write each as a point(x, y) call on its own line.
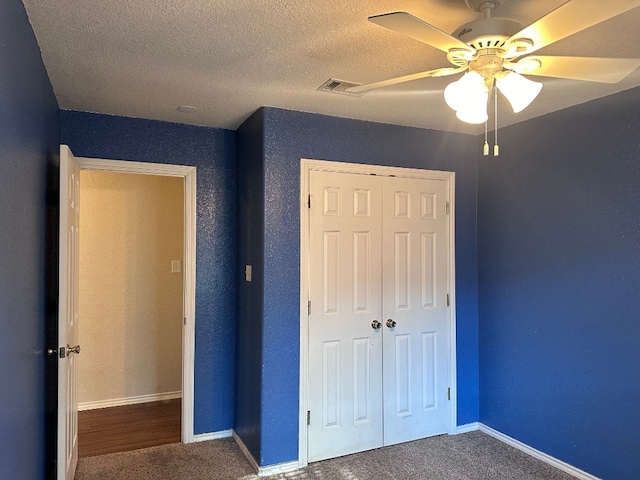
point(391, 323)
point(376, 325)
point(75, 349)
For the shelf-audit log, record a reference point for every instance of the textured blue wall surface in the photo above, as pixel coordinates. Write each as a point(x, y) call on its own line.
point(212, 151)
point(559, 270)
point(290, 136)
point(250, 167)
point(28, 152)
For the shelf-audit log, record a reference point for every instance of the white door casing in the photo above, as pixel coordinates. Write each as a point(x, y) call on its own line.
point(189, 301)
point(416, 237)
point(67, 456)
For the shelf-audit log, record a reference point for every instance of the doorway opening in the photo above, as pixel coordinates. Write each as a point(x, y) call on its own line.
point(131, 310)
point(68, 293)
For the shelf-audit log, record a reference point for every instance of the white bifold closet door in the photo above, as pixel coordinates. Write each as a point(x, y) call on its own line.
point(378, 319)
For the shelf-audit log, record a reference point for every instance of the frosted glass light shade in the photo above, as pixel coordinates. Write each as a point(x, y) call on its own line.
point(519, 91)
point(468, 96)
point(467, 89)
point(474, 114)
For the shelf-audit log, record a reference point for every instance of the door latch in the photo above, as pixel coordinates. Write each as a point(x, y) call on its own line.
point(64, 351)
point(52, 351)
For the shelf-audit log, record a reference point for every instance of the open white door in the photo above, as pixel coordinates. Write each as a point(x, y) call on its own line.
point(68, 315)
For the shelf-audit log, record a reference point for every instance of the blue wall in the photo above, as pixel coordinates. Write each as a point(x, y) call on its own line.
point(250, 169)
point(212, 151)
point(559, 272)
point(28, 157)
point(289, 136)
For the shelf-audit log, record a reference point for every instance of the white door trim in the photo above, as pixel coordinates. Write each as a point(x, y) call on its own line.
point(306, 166)
point(188, 336)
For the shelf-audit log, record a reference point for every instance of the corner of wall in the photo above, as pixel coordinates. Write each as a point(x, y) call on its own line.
point(250, 255)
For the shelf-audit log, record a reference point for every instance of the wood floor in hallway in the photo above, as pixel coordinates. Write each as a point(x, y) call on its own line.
point(129, 427)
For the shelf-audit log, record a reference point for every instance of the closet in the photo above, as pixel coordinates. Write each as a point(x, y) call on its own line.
point(379, 314)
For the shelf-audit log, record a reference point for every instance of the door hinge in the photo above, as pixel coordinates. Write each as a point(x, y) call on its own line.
point(309, 307)
point(448, 300)
point(308, 417)
point(446, 208)
point(309, 201)
point(449, 393)
point(185, 320)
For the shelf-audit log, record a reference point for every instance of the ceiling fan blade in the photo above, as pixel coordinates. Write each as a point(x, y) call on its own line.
point(407, 24)
point(604, 70)
point(439, 72)
point(570, 18)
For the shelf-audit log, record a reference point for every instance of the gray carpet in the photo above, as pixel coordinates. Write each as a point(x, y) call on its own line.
point(469, 456)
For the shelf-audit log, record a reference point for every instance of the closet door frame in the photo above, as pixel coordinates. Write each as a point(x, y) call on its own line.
point(308, 165)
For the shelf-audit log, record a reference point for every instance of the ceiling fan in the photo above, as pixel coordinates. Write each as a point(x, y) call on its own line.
point(496, 51)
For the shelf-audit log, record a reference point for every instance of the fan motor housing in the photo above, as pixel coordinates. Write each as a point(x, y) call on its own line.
point(487, 32)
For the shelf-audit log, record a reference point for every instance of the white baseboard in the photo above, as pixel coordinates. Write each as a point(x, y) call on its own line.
point(559, 464)
point(268, 470)
point(203, 437)
point(118, 402)
point(468, 427)
point(245, 451)
point(285, 467)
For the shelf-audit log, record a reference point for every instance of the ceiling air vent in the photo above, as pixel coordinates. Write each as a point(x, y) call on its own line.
point(340, 86)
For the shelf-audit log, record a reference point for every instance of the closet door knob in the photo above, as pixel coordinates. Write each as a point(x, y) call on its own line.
point(391, 323)
point(376, 325)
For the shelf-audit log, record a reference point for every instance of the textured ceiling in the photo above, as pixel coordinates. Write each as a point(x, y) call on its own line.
point(145, 58)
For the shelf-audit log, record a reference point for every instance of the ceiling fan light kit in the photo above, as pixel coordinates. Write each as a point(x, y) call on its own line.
point(494, 52)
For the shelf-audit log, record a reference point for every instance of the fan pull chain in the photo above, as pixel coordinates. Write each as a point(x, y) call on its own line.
point(496, 148)
point(485, 149)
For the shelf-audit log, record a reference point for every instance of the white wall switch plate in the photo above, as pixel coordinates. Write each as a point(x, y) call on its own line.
point(247, 273)
point(175, 266)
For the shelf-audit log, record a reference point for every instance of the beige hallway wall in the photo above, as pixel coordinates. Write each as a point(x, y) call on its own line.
point(130, 324)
